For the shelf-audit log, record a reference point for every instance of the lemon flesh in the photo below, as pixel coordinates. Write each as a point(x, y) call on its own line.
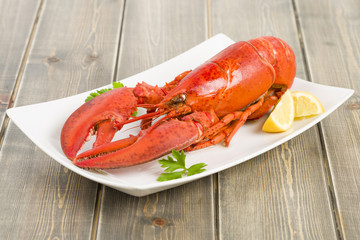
point(282, 116)
point(306, 104)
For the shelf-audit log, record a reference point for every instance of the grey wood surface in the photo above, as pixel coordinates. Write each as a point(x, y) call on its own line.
point(17, 20)
point(74, 49)
point(307, 188)
point(333, 53)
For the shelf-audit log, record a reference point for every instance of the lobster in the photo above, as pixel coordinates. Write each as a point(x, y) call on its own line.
point(197, 109)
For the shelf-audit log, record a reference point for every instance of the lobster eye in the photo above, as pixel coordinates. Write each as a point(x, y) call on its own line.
point(182, 97)
point(178, 99)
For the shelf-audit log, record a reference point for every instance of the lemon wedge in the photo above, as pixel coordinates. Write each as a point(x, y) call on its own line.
point(282, 116)
point(306, 104)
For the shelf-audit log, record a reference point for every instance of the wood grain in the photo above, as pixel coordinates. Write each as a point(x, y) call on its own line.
point(74, 50)
point(152, 33)
point(156, 31)
point(17, 20)
point(185, 212)
point(282, 194)
point(331, 31)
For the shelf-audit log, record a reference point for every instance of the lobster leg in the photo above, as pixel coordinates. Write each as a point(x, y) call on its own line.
point(243, 119)
point(269, 102)
point(271, 98)
point(212, 141)
point(223, 130)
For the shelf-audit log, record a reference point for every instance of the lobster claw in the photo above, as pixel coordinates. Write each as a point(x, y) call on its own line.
point(101, 114)
point(150, 144)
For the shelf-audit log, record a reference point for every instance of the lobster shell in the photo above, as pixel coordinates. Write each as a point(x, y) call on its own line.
point(202, 107)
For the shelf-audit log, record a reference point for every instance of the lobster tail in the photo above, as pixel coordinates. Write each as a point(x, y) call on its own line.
point(279, 54)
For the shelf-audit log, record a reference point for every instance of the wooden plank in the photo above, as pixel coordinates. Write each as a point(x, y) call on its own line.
point(17, 19)
point(159, 30)
point(331, 32)
point(154, 32)
point(185, 212)
point(74, 50)
point(282, 194)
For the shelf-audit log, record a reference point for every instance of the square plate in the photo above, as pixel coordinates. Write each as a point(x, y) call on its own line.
point(43, 122)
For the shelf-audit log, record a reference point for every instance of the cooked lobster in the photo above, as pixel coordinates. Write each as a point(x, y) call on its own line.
point(199, 108)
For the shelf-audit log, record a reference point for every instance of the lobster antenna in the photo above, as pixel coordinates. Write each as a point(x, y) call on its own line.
point(171, 114)
point(128, 129)
point(139, 126)
point(147, 115)
point(148, 105)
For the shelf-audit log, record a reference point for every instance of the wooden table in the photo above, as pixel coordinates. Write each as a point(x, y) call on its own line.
point(307, 188)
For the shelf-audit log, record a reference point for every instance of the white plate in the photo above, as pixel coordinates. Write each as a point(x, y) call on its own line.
point(42, 123)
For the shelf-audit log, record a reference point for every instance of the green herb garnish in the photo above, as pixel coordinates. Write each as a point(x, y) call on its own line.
point(172, 164)
point(98, 92)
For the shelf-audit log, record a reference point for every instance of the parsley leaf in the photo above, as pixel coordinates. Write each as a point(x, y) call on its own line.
point(117, 85)
point(135, 113)
point(169, 176)
point(170, 164)
point(98, 92)
point(197, 168)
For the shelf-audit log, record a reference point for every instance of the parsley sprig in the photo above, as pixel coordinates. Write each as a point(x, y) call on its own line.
point(172, 164)
point(101, 91)
point(98, 92)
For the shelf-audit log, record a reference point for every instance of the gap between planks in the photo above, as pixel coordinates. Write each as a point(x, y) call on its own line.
point(100, 188)
point(95, 224)
point(20, 73)
point(119, 44)
point(340, 233)
point(215, 177)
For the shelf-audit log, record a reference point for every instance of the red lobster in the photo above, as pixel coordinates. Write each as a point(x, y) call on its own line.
point(199, 108)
